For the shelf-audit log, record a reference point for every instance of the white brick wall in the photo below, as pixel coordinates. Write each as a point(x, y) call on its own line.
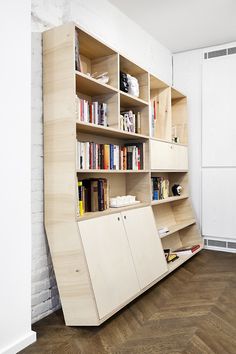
point(107, 22)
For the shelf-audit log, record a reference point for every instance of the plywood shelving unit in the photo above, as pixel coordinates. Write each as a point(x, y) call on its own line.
point(103, 260)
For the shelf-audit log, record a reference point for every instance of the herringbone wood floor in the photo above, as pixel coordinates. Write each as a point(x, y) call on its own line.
point(193, 311)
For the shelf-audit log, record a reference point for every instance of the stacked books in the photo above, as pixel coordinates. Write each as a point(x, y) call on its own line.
point(91, 112)
point(130, 122)
point(186, 250)
point(93, 156)
point(154, 116)
point(160, 188)
point(93, 195)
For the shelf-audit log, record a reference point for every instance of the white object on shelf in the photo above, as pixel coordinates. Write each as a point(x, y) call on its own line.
point(133, 86)
point(124, 200)
point(163, 230)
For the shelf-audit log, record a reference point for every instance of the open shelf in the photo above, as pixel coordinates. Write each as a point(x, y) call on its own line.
point(92, 87)
point(182, 259)
point(179, 116)
point(128, 100)
point(168, 200)
point(109, 211)
point(90, 128)
point(178, 227)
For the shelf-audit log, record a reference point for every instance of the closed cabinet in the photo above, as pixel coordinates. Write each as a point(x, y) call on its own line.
point(167, 156)
point(145, 245)
point(110, 262)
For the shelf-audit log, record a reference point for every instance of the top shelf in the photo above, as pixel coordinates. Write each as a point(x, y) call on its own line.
point(92, 87)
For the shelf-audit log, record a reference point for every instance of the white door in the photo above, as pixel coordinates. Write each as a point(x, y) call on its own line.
point(161, 155)
point(110, 263)
point(145, 245)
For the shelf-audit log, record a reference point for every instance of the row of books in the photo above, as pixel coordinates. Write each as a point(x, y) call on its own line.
point(95, 156)
point(93, 195)
point(160, 188)
point(154, 116)
point(91, 112)
point(130, 122)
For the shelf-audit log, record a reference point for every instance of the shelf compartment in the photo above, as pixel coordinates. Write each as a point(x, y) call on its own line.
point(180, 178)
point(89, 128)
point(140, 74)
point(178, 227)
point(91, 87)
point(182, 259)
point(144, 116)
point(127, 100)
point(179, 116)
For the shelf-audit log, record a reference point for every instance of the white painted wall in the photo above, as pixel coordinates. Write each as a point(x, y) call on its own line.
point(15, 181)
point(106, 22)
point(187, 76)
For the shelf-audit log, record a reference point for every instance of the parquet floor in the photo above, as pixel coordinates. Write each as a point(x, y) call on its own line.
point(193, 311)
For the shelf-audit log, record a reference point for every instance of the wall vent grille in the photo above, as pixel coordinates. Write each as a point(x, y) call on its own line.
point(220, 53)
point(221, 245)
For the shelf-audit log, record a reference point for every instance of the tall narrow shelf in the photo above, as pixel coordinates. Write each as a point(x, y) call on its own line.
point(117, 248)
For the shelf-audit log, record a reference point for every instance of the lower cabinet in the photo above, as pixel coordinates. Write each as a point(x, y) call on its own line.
point(145, 245)
point(124, 255)
point(110, 262)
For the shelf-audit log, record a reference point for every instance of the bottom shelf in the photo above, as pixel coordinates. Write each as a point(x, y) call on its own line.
point(173, 265)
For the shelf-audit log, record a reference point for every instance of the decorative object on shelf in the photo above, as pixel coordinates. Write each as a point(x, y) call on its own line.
point(103, 78)
point(124, 86)
point(177, 189)
point(163, 230)
point(130, 122)
point(133, 86)
point(125, 200)
point(78, 64)
point(175, 138)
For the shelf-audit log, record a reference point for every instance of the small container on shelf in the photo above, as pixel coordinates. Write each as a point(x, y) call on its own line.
point(125, 200)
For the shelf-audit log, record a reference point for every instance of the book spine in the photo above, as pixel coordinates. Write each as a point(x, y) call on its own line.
point(111, 156)
point(80, 193)
point(106, 157)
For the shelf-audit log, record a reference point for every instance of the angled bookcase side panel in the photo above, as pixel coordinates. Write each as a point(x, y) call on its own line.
point(60, 177)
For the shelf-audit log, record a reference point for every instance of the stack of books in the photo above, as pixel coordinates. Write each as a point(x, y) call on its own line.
point(130, 122)
point(91, 112)
point(93, 156)
point(93, 195)
point(160, 188)
point(154, 116)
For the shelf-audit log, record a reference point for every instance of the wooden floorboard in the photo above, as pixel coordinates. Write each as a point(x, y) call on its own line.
point(192, 311)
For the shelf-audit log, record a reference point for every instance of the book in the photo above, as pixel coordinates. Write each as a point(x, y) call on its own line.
point(187, 250)
point(160, 188)
point(91, 112)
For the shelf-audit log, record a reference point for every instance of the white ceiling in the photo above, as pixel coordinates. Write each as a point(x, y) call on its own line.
point(184, 24)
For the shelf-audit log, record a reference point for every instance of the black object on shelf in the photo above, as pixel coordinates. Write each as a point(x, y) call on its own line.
point(124, 86)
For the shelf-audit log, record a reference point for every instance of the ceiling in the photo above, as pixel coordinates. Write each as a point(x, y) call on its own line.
point(182, 25)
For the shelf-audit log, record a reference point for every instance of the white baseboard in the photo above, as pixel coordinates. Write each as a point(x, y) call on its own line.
point(20, 344)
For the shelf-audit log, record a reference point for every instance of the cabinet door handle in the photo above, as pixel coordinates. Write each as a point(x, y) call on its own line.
point(118, 219)
point(125, 217)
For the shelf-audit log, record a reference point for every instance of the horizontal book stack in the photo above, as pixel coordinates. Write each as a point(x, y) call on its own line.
point(130, 122)
point(93, 195)
point(93, 156)
point(160, 188)
point(91, 112)
point(154, 116)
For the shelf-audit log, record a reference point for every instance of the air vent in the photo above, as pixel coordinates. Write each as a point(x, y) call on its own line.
point(221, 245)
point(232, 245)
point(215, 243)
point(220, 53)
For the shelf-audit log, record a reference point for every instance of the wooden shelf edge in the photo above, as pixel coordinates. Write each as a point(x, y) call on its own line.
point(92, 215)
point(182, 259)
point(133, 98)
point(96, 82)
point(107, 131)
point(178, 227)
point(168, 200)
point(167, 141)
point(168, 170)
point(112, 171)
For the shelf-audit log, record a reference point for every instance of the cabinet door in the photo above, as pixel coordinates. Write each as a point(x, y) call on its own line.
point(179, 157)
point(161, 155)
point(145, 244)
point(110, 263)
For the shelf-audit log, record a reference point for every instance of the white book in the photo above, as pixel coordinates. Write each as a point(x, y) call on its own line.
point(86, 155)
point(78, 155)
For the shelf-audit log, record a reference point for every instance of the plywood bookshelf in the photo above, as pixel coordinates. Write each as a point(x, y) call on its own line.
point(84, 301)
